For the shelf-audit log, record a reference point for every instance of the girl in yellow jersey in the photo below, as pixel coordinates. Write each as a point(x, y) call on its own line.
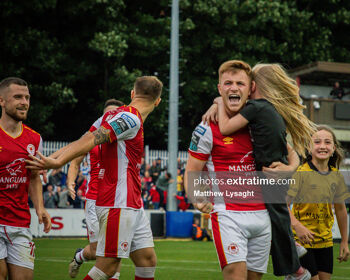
point(318, 184)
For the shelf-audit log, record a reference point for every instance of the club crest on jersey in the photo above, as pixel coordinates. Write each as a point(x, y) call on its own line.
point(15, 167)
point(124, 245)
point(233, 249)
point(31, 149)
point(228, 140)
point(119, 126)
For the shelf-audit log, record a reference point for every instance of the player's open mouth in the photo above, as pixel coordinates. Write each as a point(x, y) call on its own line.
point(234, 98)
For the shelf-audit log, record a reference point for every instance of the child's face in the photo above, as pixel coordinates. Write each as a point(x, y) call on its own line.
point(323, 145)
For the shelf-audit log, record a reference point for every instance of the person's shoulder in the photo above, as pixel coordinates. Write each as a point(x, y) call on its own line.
point(27, 129)
point(304, 167)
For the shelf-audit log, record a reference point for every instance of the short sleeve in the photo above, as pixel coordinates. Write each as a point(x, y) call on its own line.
point(96, 125)
point(249, 111)
point(341, 190)
point(123, 126)
point(40, 146)
point(201, 142)
point(296, 184)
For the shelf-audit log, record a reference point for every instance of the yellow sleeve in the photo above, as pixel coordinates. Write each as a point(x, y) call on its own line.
point(341, 190)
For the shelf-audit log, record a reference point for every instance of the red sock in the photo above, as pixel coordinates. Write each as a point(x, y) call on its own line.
point(87, 277)
point(141, 278)
point(300, 271)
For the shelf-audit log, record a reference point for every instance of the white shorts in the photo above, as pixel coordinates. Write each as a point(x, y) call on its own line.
point(122, 231)
point(242, 237)
point(16, 246)
point(91, 220)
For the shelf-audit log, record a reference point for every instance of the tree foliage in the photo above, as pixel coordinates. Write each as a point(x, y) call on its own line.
point(77, 54)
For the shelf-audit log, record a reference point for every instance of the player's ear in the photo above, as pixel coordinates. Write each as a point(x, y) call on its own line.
point(132, 94)
point(219, 88)
point(253, 87)
point(157, 102)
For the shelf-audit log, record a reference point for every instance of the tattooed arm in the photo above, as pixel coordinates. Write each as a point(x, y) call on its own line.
point(75, 149)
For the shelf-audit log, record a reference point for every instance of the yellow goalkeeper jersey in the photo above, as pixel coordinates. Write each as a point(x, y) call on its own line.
point(313, 194)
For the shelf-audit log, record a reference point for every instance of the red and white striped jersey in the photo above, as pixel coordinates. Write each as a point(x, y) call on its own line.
point(225, 153)
point(14, 177)
point(120, 185)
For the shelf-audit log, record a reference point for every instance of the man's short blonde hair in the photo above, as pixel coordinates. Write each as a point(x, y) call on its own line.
point(233, 66)
point(149, 87)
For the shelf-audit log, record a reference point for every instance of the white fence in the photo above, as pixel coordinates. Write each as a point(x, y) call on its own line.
point(51, 146)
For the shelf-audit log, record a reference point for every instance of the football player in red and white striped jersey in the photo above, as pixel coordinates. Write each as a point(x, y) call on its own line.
point(124, 228)
point(95, 174)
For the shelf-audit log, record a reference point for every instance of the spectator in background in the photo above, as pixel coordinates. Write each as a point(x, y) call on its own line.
point(85, 169)
point(154, 196)
point(146, 181)
point(148, 168)
point(155, 171)
point(199, 233)
point(180, 165)
point(50, 198)
point(62, 194)
point(337, 91)
point(183, 204)
point(163, 185)
point(180, 183)
point(57, 177)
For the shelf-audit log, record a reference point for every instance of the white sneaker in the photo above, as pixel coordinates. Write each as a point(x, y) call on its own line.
point(73, 268)
point(305, 276)
point(301, 251)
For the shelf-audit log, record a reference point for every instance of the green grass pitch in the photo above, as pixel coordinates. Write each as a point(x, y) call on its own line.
point(185, 260)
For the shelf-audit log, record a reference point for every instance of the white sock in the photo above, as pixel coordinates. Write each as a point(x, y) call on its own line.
point(97, 274)
point(145, 272)
point(115, 276)
point(79, 257)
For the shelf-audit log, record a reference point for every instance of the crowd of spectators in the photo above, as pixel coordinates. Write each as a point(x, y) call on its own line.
point(155, 181)
point(55, 191)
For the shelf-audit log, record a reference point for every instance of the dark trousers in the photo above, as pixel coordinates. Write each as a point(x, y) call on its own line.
point(284, 255)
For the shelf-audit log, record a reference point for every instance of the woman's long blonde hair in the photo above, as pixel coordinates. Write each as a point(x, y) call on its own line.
point(282, 92)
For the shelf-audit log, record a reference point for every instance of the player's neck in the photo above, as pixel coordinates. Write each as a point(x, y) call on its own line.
point(321, 165)
point(10, 126)
point(144, 108)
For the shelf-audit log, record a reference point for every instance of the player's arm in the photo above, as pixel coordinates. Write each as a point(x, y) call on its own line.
point(195, 165)
point(293, 164)
point(229, 125)
point(73, 171)
point(76, 149)
point(36, 195)
point(342, 219)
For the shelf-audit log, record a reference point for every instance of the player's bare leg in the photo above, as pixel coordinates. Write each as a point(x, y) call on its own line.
point(235, 271)
point(105, 268)
point(145, 261)
point(3, 269)
point(324, 275)
point(90, 251)
point(19, 273)
point(253, 275)
point(108, 265)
